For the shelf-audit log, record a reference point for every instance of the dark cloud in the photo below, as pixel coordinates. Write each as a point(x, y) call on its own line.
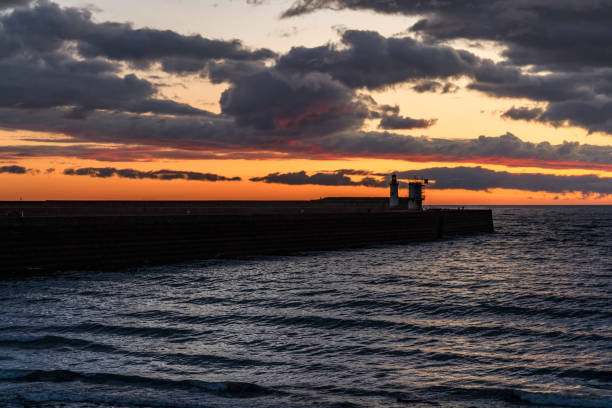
point(48, 27)
point(373, 61)
point(401, 122)
point(553, 34)
point(13, 3)
point(337, 178)
point(556, 87)
point(29, 83)
point(233, 71)
point(548, 34)
point(522, 113)
point(563, 43)
point(183, 132)
point(481, 179)
point(222, 135)
point(592, 115)
point(506, 149)
point(464, 178)
point(353, 172)
point(311, 91)
point(40, 71)
point(129, 154)
point(13, 169)
point(582, 99)
point(106, 172)
point(370, 60)
point(449, 87)
point(311, 103)
point(62, 72)
point(58, 57)
point(427, 86)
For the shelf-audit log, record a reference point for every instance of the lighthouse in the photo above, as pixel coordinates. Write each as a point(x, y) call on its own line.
point(394, 198)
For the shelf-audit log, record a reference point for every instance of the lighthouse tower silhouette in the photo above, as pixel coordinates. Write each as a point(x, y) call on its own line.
point(394, 198)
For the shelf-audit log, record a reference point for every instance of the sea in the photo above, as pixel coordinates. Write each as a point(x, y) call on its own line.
point(518, 318)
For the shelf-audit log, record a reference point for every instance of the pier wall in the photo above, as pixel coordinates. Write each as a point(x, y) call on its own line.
point(115, 241)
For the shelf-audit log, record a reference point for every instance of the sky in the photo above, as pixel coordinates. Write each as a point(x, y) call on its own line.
point(499, 101)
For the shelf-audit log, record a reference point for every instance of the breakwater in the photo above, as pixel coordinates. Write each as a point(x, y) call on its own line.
point(99, 235)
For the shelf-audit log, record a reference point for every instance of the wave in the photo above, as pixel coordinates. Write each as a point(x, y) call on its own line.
point(363, 322)
point(372, 306)
point(66, 343)
point(529, 397)
point(47, 342)
point(225, 389)
point(555, 399)
point(600, 375)
point(430, 396)
point(139, 331)
point(199, 360)
point(330, 322)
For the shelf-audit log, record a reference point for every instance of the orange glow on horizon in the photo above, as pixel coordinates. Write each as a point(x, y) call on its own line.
point(60, 187)
point(57, 186)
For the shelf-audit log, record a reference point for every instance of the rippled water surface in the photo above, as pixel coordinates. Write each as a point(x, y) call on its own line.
point(519, 317)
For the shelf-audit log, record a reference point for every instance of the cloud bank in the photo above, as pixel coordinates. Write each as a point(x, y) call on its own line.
point(106, 172)
point(564, 42)
point(464, 178)
point(337, 178)
point(199, 137)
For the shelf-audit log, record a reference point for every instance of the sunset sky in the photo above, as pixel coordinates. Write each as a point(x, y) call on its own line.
point(499, 101)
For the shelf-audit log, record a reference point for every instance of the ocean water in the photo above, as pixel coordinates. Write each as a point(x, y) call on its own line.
point(522, 317)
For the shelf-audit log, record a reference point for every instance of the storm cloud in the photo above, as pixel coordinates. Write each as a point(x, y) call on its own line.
point(106, 172)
